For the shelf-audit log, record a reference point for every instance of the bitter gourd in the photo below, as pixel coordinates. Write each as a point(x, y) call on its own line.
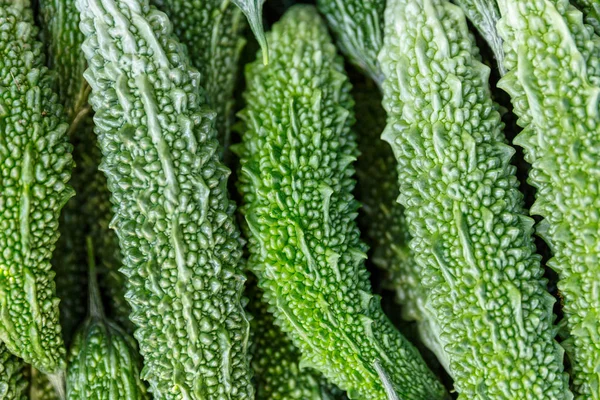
point(212, 30)
point(278, 374)
point(591, 12)
point(36, 164)
point(382, 217)
point(469, 232)
point(180, 245)
point(13, 385)
point(358, 26)
point(296, 182)
point(40, 387)
point(484, 15)
point(553, 61)
point(103, 361)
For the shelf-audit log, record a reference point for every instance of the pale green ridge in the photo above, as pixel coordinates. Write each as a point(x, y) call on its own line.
point(36, 164)
point(296, 182)
point(470, 234)
point(180, 246)
point(553, 60)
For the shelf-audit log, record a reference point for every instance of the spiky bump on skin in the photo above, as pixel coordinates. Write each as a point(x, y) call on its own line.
point(469, 231)
point(180, 245)
point(296, 181)
point(553, 60)
point(36, 165)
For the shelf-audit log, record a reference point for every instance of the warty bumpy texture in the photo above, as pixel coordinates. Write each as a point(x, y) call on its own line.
point(212, 31)
point(358, 26)
point(554, 82)
point(382, 217)
point(13, 385)
point(470, 234)
point(296, 181)
point(591, 12)
point(278, 374)
point(174, 221)
point(36, 164)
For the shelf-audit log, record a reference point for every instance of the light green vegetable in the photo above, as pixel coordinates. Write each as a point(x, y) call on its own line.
point(591, 12)
point(296, 182)
point(180, 246)
point(383, 217)
point(554, 81)
point(36, 164)
point(103, 361)
point(484, 15)
point(13, 385)
point(470, 235)
point(212, 30)
point(278, 374)
point(358, 26)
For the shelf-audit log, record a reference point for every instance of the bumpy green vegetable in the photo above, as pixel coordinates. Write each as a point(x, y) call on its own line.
point(212, 30)
point(40, 387)
point(591, 11)
point(296, 182)
point(484, 15)
point(36, 165)
point(554, 82)
point(103, 362)
point(278, 374)
point(470, 234)
point(174, 221)
point(89, 212)
point(383, 217)
point(358, 26)
point(13, 385)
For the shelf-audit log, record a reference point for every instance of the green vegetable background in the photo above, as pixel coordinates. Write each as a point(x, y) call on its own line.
point(299, 199)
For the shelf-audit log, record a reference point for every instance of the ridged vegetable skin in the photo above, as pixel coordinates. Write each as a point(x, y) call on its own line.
point(358, 27)
point(296, 182)
point(591, 12)
point(212, 30)
point(554, 82)
point(180, 246)
point(13, 385)
point(470, 234)
point(278, 374)
point(103, 360)
point(36, 165)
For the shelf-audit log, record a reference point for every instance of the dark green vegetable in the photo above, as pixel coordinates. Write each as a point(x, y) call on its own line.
point(553, 61)
point(35, 160)
point(252, 9)
point(470, 234)
point(180, 246)
point(591, 12)
point(212, 30)
point(13, 385)
point(296, 181)
point(103, 360)
point(41, 388)
point(358, 27)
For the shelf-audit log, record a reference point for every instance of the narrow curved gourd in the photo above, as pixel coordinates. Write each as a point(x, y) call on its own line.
point(13, 385)
point(212, 31)
point(557, 101)
point(358, 27)
point(469, 231)
point(180, 246)
point(296, 182)
point(89, 212)
point(103, 360)
point(484, 15)
point(36, 164)
point(591, 12)
point(383, 218)
point(278, 374)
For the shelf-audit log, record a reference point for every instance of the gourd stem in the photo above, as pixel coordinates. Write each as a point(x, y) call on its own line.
point(96, 310)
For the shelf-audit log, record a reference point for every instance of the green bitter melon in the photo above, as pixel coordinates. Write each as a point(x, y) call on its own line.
point(13, 385)
point(553, 61)
point(296, 181)
point(591, 12)
point(36, 165)
point(180, 245)
point(484, 283)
